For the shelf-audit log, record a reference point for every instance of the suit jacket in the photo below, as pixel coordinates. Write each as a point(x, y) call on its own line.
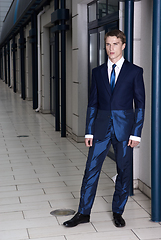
point(125, 106)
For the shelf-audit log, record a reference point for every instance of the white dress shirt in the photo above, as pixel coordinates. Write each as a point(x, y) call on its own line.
point(117, 68)
point(117, 71)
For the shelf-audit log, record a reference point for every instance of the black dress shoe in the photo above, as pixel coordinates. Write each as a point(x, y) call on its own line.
point(118, 220)
point(77, 219)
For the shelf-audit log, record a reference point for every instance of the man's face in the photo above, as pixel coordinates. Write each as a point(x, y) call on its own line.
point(114, 48)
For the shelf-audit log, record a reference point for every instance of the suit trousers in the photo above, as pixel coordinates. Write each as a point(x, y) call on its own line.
point(96, 156)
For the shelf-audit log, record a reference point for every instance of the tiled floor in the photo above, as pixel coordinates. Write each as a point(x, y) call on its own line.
point(43, 172)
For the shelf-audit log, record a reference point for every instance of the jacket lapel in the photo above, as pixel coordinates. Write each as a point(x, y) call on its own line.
point(104, 73)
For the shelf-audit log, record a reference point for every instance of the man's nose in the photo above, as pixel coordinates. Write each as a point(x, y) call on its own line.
point(111, 47)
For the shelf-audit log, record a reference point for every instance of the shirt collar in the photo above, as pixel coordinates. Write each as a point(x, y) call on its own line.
point(118, 64)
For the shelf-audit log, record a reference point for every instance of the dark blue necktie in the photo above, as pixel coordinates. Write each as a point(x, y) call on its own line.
point(112, 80)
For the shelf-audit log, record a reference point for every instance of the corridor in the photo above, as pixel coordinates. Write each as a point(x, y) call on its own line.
point(41, 172)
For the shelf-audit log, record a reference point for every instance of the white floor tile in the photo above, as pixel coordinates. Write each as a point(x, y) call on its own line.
point(20, 207)
point(59, 231)
point(11, 216)
point(29, 223)
point(15, 193)
point(20, 234)
point(9, 201)
point(38, 213)
point(51, 238)
point(41, 185)
point(148, 233)
point(135, 213)
point(62, 189)
point(46, 197)
point(111, 235)
point(7, 189)
point(67, 204)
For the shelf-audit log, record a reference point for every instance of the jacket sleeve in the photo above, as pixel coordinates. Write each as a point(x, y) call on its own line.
point(139, 101)
point(92, 107)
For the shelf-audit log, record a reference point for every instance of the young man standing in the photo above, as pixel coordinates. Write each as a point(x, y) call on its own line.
point(115, 115)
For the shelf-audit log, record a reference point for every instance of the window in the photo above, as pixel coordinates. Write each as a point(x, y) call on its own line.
point(112, 6)
point(103, 16)
point(92, 12)
point(99, 9)
point(102, 8)
point(101, 47)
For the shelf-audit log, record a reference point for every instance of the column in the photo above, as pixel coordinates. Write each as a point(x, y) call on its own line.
point(56, 66)
point(14, 48)
point(128, 52)
point(33, 41)
point(129, 26)
point(156, 115)
point(22, 46)
point(8, 54)
point(63, 75)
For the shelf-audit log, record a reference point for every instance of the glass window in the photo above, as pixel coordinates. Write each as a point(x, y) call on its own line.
point(113, 6)
point(92, 12)
point(93, 52)
point(102, 8)
point(101, 47)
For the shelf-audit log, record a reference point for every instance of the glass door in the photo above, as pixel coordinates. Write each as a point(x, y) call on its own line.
point(93, 52)
point(103, 16)
point(97, 50)
point(102, 50)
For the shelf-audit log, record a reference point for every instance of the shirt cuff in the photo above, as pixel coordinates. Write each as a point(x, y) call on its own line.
point(88, 136)
point(135, 138)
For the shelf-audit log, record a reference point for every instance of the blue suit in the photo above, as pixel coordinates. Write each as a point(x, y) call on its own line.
point(111, 119)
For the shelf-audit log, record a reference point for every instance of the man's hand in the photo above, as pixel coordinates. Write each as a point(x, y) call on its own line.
point(88, 142)
point(132, 143)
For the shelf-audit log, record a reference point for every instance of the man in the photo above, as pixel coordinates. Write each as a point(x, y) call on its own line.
point(117, 88)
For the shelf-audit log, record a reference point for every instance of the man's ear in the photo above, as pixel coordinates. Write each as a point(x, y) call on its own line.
point(123, 46)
